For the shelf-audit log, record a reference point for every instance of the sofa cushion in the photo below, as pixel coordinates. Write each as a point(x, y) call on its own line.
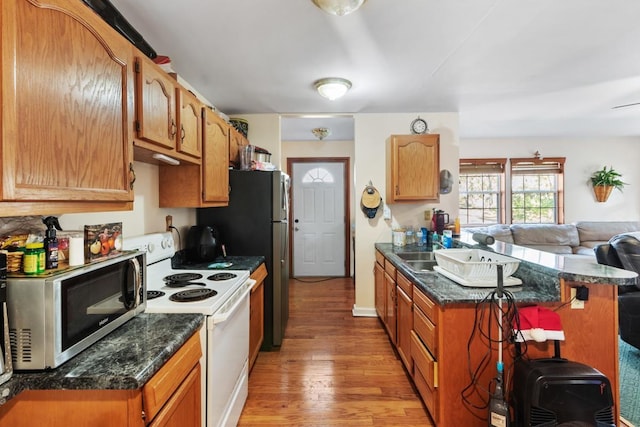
point(602, 231)
point(545, 234)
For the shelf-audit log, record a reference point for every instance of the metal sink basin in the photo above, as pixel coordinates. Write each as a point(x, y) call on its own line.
point(421, 265)
point(417, 256)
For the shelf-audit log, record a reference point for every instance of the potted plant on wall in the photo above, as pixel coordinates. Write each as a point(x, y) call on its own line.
point(604, 181)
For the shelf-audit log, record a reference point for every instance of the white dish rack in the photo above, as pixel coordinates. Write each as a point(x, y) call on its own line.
point(477, 267)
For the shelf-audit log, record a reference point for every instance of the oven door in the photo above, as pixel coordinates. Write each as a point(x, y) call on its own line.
point(227, 359)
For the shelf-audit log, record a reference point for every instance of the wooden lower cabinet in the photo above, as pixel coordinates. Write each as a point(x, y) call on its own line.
point(172, 398)
point(256, 316)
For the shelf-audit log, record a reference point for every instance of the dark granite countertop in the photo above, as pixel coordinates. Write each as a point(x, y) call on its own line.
point(238, 262)
point(125, 359)
point(446, 292)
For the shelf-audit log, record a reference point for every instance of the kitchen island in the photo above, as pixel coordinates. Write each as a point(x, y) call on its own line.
point(151, 358)
point(434, 324)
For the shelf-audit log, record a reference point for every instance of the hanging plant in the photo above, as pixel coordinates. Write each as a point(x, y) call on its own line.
point(604, 181)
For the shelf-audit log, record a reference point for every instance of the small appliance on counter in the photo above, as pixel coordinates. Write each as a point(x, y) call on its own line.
point(203, 244)
point(54, 317)
point(6, 365)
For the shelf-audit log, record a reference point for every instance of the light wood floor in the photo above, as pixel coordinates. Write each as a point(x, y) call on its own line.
point(333, 369)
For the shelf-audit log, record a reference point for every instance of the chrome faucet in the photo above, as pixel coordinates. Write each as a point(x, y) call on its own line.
point(434, 245)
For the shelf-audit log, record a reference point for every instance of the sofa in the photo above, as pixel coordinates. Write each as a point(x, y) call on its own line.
point(579, 238)
point(623, 251)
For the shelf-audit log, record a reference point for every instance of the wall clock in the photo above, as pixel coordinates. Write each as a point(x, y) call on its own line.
point(419, 126)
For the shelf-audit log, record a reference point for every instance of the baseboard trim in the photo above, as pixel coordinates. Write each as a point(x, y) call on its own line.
point(364, 311)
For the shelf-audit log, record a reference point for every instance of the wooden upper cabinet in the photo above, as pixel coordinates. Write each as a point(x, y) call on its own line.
point(215, 170)
point(67, 102)
point(155, 105)
point(413, 168)
point(236, 141)
point(189, 123)
point(168, 117)
point(204, 185)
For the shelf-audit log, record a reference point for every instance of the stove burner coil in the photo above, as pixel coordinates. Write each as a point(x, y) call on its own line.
point(221, 276)
point(181, 284)
point(154, 294)
point(182, 277)
point(191, 295)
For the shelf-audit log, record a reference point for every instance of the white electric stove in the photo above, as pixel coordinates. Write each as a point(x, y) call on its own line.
point(223, 297)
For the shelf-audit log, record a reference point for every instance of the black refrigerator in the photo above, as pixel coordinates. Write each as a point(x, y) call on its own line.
point(256, 223)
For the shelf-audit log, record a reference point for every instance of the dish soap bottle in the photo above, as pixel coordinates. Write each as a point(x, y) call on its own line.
point(51, 242)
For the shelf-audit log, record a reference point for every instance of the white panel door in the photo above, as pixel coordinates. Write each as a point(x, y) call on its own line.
point(318, 219)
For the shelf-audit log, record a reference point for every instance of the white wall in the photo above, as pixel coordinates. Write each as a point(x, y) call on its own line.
point(371, 133)
point(584, 156)
point(146, 216)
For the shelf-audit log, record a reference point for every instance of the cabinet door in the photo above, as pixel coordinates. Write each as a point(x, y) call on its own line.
point(183, 408)
point(67, 96)
point(404, 325)
point(237, 140)
point(378, 272)
point(256, 314)
point(390, 307)
point(215, 170)
point(413, 168)
point(155, 105)
point(189, 123)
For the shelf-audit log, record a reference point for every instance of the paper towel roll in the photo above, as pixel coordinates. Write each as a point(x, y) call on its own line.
point(76, 251)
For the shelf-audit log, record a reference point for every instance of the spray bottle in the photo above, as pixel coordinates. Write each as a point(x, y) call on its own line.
point(51, 242)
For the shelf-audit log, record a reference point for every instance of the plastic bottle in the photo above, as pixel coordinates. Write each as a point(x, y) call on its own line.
point(434, 241)
point(419, 237)
point(30, 258)
point(51, 242)
point(456, 227)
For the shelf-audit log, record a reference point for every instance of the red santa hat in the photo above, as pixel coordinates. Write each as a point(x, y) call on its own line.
point(538, 324)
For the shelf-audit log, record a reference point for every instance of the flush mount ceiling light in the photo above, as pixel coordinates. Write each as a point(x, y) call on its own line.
point(332, 87)
point(339, 7)
point(321, 133)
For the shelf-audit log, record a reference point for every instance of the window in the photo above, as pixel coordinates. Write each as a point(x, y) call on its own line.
point(537, 190)
point(482, 191)
point(535, 194)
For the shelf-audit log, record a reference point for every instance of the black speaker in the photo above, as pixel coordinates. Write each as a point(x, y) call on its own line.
point(558, 392)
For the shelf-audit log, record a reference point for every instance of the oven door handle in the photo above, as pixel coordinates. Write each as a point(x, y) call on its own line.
point(225, 312)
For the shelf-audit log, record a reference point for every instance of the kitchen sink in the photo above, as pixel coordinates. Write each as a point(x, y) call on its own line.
point(417, 256)
point(421, 265)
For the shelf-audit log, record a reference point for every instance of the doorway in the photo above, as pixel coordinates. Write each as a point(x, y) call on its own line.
point(319, 217)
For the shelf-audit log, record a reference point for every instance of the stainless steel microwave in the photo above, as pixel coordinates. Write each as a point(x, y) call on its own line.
point(52, 319)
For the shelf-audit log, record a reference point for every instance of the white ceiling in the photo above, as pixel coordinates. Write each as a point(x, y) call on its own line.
point(509, 68)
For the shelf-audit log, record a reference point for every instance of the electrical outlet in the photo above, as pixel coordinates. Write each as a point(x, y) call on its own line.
point(576, 303)
point(169, 220)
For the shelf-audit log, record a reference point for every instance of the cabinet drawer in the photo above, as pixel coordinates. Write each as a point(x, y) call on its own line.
point(426, 331)
point(379, 258)
point(427, 306)
point(405, 284)
point(167, 380)
point(390, 269)
point(429, 395)
point(423, 361)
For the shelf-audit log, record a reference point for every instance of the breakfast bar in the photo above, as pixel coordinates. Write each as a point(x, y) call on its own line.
point(436, 342)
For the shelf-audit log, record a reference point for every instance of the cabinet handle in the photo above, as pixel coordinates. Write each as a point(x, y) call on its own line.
point(174, 129)
point(132, 175)
point(182, 134)
point(397, 191)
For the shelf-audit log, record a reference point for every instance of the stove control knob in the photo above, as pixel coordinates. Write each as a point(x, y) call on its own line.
point(151, 248)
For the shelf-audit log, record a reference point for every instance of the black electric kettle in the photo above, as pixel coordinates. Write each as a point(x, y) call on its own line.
point(202, 243)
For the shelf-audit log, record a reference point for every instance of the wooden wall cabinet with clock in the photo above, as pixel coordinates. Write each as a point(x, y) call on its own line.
point(413, 167)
